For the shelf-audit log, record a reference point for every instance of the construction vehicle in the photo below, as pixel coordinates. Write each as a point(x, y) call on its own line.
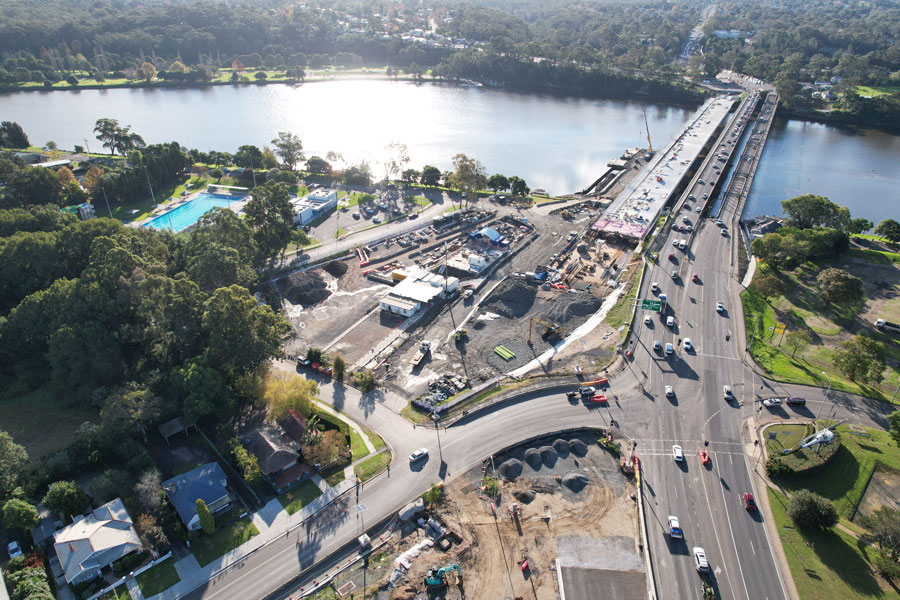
point(437, 577)
point(552, 330)
point(706, 592)
point(421, 353)
point(460, 335)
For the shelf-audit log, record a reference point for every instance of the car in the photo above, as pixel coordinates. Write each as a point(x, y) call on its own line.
point(304, 361)
point(14, 549)
point(674, 274)
point(720, 307)
point(657, 346)
point(700, 181)
point(418, 455)
point(704, 458)
point(647, 320)
point(654, 287)
point(670, 321)
point(685, 220)
point(727, 393)
point(572, 394)
point(670, 349)
point(705, 196)
point(671, 256)
point(376, 220)
point(724, 233)
point(675, 528)
point(677, 453)
point(698, 209)
point(674, 243)
point(700, 560)
point(687, 344)
point(772, 402)
point(413, 216)
point(691, 197)
point(749, 502)
point(355, 215)
point(689, 228)
point(663, 298)
point(695, 278)
point(794, 401)
point(681, 228)
point(587, 390)
point(670, 392)
point(719, 222)
point(682, 244)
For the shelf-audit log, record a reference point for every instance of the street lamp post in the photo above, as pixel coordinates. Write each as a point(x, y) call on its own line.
point(437, 430)
point(826, 394)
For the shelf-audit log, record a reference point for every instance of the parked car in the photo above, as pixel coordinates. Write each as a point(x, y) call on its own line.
point(772, 402)
point(695, 278)
point(670, 321)
point(669, 348)
point(794, 401)
point(14, 549)
point(657, 346)
point(355, 215)
point(687, 344)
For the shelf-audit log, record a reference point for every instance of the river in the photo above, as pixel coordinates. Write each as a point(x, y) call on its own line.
point(556, 143)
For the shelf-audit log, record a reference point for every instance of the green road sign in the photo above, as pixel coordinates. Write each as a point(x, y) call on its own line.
point(651, 305)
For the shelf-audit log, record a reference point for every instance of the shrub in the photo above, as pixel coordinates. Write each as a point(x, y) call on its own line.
point(365, 380)
point(811, 512)
point(128, 563)
point(611, 446)
point(434, 496)
point(887, 566)
point(491, 486)
point(206, 519)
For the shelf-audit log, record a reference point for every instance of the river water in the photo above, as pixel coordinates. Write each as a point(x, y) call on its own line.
point(556, 143)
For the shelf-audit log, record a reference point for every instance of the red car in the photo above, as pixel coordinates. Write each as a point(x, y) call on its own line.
point(671, 256)
point(749, 502)
point(695, 278)
point(704, 458)
point(598, 398)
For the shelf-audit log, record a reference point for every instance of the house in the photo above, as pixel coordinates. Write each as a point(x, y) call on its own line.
point(294, 426)
point(95, 541)
point(313, 205)
point(272, 452)
point(206, 482)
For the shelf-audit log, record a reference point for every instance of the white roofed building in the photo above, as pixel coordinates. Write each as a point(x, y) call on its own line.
point(313, 205)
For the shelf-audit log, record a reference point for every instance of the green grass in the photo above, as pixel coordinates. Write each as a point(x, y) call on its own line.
point(372, 466)
point(357, 446)
point(787, 436)
point(158, 578)
point(41, 421)
point(297, 497)
point(421, 201)
point(414, 415)
point(620, 311)
point(375, 439)
point(873, 91)
point(210, 547)
point(453, 208)
point(829, 564)
point(334, 476)
point(185, 467)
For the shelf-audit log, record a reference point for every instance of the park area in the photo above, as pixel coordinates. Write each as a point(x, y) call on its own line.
point(861, 478)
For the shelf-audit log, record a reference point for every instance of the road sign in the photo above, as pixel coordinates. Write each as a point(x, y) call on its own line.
point(361, 507)
point(651, 305)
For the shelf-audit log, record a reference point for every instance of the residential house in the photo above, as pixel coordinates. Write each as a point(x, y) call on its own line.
point(95, 541)
point(206, 482)
point(272, 452)
point(294, 426)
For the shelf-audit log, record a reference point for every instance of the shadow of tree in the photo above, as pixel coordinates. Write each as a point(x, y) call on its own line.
point(836, 554)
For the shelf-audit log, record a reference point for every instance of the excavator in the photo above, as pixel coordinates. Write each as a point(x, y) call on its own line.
point(437, 577)
point(553, 330)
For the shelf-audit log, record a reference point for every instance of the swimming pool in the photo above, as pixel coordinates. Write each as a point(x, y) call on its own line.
point(182, 217)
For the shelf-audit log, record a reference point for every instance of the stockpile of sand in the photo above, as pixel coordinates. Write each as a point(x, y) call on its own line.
point(573, 306)
point(533, 458)
point(512, 299)
point(561, 446)
point(305, 288)
point(524, 496)
point(548, 455)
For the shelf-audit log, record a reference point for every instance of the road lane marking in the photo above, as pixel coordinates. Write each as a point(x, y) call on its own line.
point(733, 542)
point(715, 529)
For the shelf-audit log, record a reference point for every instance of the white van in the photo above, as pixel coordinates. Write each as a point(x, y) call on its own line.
point(681, 244)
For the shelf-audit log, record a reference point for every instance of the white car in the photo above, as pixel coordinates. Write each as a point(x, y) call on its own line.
point(669, 348)
point(772, 402)
point(687, 344)
point(675, 528)
point(14, 549)
point(654, 287)
point(700, 560)
point(656, 345)
point(698, 209)
point(418, 455)
point(677, 453)
point(647, 320)
point(720, 307)
point(669, 391)
point(670, 321)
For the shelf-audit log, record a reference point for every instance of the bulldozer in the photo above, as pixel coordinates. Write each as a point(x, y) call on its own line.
point(438, 577)
point(552, 329)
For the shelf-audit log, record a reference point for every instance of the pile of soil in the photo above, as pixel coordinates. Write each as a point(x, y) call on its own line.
point(573, 306)
point(510, 469)
point(512, 299)
point(548, 455)
point(561, 446)
point(533, 458)
point(577, 447)
point(524, 496)
point(575, 481)
point(305, 288)
point(336, 268)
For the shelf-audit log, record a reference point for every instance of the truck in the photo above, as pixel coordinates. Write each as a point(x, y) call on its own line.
point(421, 353)
point(882, 324)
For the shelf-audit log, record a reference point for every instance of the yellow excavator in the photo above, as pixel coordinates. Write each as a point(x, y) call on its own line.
point(553, 330)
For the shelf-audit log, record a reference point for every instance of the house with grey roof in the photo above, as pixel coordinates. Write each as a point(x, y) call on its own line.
point(273, 453)
point(206, 482)
point(95, 541)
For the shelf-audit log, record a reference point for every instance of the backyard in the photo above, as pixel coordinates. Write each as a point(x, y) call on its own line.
point(41, 421)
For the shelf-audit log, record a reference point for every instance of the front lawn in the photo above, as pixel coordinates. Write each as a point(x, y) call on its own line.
point(372, 466)
point(297, 497)
point(158, 578)
point(829, 564)
point(357, 446)
point(210, 547)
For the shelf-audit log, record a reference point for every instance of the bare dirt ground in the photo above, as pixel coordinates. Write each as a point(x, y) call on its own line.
point(883, 490)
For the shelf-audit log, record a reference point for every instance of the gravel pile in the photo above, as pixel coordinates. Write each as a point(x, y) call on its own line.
point(524, 496)
point(577, 447)
point(336, 268)
point(533, 458)
point(575, 481)
point(512, 299)
point(548, 456)
point(561, 446)
point(510, 469)
point(573, 306)
point(305, 288)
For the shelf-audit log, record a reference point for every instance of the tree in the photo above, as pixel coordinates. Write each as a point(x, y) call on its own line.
point(430, 175)
point(518, 187)
point(859, 225)
point(365, 380)
point(65, 498)
point(260, 76)
point(468, 175)
point(860, 359)
point(202, 388)
point(289, 148)
point(248, 157)
point(894, 422)
point(112, 483)
point(809, 211)
point(151, 533)
point(287, 392)
point(338, 366)
point(148, 71)
point(889, 229)
point(397, 158)
point(359, 175)
point(434, 497)
point(329, 448)
point(148, 491)
point(13, 458)
point(270, 212)
point(116, 137)
point(811, 512)
point(18, 513)
point(207, 522)
point(318, 166)
point(837, 285)
point(410, 175)
point(33, 186)
point(884, 524)
point(798, 340)
point(768, 285)
point(129, 410)
point(498, 182)
point(12, 135)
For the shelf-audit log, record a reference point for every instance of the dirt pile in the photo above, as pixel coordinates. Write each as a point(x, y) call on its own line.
point(561, 446)
point(548, 455)
point(575, 481)
point(512, 299)
point(524, 496)
point(573, 306)
point(336, 268)
point(305, 288)
point(533, 458)
point(577, 447)
point(511, 469)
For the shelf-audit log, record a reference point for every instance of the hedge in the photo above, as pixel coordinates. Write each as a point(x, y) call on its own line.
point(803, 461)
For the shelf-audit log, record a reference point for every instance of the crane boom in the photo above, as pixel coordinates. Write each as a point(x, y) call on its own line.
point(647, 128)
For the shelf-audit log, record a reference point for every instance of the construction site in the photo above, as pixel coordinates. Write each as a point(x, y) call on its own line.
point(516, 526)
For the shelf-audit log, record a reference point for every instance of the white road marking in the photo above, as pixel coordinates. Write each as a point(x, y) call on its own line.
point(715, 529)
point(733, 542)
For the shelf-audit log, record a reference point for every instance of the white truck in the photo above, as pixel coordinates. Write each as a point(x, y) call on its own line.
point(421, 353)
point(882, 324)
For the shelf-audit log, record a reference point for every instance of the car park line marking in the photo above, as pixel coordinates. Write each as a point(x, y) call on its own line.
point(733, 542)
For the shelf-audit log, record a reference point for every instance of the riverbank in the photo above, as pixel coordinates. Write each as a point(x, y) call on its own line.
point(840, 118)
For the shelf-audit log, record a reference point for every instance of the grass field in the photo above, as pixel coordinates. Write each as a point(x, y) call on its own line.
point(158, 578)
point(786, 436)
point(873, 91)
point(830, 564)
point(41, 421)
point(372, 466)
point(210, 547)
point(297, 497)
point(357, 446)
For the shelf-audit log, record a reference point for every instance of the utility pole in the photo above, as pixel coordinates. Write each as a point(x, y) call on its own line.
point(826, 394)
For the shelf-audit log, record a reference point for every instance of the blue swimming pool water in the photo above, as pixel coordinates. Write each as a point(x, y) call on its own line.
point(182, 217)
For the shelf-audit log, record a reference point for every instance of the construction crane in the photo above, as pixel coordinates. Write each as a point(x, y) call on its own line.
point(552, 329)
point(647, 128)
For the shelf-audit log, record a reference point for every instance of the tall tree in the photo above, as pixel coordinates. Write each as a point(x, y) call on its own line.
point(894, 424)
point(890, 229)
point(815, 211)
point(12, 135)
point(148, 71)
point(20, 514)
point(207, 522)
point(13, 458)
point(270, 212)
point(498, 182)
point(285, 393)
point(65, 498)
point(130, 410)
point(885, 524)
point(798, 340)
point(430, 175)
point(468, 176)
point(202, 388)
point(397, 158)
point(860, 359)
point(810, 511)
point(289, 148)
point(249, 157)
point(837, 285)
